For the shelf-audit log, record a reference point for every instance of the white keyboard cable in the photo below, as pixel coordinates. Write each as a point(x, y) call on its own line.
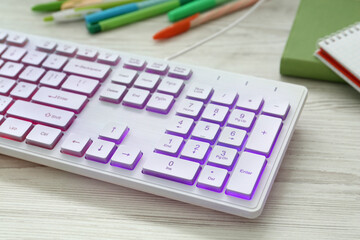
point(207, 39)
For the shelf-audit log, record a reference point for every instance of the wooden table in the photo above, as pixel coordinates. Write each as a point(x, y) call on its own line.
point(317, 191)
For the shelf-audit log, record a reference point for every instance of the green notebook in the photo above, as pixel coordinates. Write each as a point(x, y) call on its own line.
point(314, 20)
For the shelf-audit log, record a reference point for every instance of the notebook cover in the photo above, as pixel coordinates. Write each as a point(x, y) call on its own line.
point(315, 19)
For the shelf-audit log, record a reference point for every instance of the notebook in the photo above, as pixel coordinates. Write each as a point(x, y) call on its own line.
point(341, 53)
point(314, 20)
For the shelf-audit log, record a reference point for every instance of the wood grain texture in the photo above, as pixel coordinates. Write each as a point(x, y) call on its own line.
point(317, 191)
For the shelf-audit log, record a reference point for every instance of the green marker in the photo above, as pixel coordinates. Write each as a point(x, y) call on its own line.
point(48, 7)
point(139, 15)
point(193, 8)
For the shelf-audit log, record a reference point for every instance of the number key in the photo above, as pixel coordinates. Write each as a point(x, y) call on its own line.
point(206, 131)
point(180, 126)
point(195, 150)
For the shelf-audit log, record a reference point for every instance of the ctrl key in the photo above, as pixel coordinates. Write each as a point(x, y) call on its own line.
point(174, 169)
point(246, 175)
point(15, 129)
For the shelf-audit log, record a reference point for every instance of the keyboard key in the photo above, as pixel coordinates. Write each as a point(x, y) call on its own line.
point(5, 103)
point(212, 178)
point(135, 63)
point(113, 93)
point(15, 129)
point(114, 132)
point(75, 145)
point(46, 46)
point(172, 169)
point(136, 98)
point(124, 76)
point(180, 126)
point(16, 40)
point(241, 119)
point(245, 176)
point(14, 54)
point(66, 50)
point(157, 68)
point(160, 103)
point(52, 79)
point(41, 114)
point(32, 74)
point(87, 54)
point(195, 151)
point(43, 136)
point(206, 131)
point(100, 151)
point(224, 97)
point(6, 85)
point(147, 81)
point(3, 36)
point(87, 69)
point(169, 144)
point(180, 72)
point(276, 108)
point(54, 62)
point(171, 86)
point(82, 85)
point(62, 99)
point(23, 90)
point(11, 69)
point(200, 92)
point(264, 135)
point(251, 103)
point(190, 108)
point(126, 157)
point(232, 137)
point(223, 157)
point(109, 58)
point(215, 113)
point(34, 58)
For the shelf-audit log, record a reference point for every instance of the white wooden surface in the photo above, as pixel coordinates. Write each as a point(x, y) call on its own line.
point(317, 191)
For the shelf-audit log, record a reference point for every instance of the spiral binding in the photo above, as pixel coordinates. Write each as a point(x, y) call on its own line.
point(343, 33)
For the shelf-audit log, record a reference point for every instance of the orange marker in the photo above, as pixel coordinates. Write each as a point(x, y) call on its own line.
point(198, 19)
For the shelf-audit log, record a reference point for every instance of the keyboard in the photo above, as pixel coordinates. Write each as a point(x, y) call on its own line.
point(202, 136)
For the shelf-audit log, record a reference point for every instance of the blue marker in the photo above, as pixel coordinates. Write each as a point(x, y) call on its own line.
point(120, 10)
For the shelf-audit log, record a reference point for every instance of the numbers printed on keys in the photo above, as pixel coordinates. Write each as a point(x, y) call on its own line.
point(206, 131)
point(124, 76)
point(100, 151)
point(190, 108)
point(15, 128)
point(87, 54)
point(180, 126)
point(169, 144)
point(75, 144)
point(232, 137)
point(126, 157)
point(43, 136)
point(212, 178)
point(241, 119)
point(223, 157)
point(54, 62)
point(215, 113)
point(195, 150)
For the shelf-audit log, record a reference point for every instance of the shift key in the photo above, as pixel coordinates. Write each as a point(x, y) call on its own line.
point(41, 114)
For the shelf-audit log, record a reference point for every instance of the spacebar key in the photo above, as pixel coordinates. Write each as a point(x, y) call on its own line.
point(41, 114)
point(172, 168)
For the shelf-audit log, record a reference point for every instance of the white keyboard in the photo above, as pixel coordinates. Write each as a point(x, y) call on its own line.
point(206, 137)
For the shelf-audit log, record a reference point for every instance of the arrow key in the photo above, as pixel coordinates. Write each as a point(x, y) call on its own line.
point(75, 144)
point(126, 157)
point(114, 132)
point(100, 151)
